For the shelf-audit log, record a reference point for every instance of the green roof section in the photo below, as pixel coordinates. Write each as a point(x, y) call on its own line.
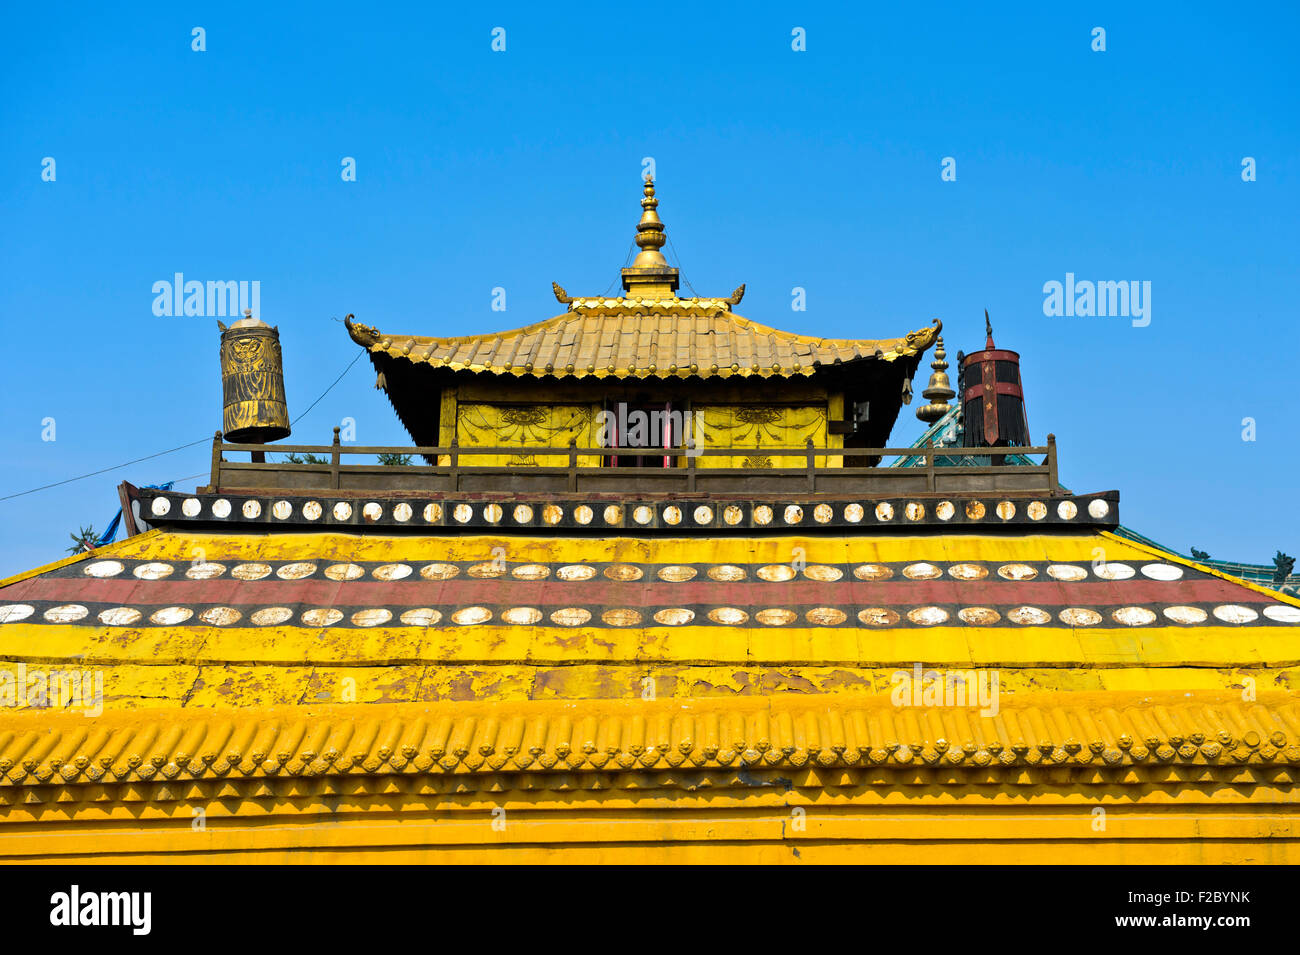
point(944, 433)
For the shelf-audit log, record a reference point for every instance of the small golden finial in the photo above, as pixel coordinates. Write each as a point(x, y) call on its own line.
point(650, 275)
point(650, 231)
point(939, 390)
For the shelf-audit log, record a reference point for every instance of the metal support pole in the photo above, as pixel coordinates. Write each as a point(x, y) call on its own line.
point(334, 461)
point(1053, 482)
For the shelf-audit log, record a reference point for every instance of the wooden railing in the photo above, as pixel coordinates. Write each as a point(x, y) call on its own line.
point(822, 470)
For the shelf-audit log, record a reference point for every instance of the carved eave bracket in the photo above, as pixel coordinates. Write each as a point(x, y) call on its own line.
point(366, 335)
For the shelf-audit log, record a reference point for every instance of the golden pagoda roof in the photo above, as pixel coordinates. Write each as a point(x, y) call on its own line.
point(627, 338)
point(646, 332)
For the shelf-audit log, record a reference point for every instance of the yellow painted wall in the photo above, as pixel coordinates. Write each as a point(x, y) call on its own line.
point(524, 426)
point(759, 427)
point(746, 427)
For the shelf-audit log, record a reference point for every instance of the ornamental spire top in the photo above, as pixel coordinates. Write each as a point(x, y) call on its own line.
point(650, 275)
point(650, 230)
point(939, 389)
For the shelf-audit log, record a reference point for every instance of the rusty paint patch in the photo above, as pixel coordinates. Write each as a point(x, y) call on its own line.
point(979, 616)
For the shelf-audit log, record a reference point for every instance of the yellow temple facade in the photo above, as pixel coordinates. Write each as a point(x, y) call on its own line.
point(616, 650)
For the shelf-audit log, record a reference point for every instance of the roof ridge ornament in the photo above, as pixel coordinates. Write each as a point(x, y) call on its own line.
point(939, 390)
point(650, 275)
point(650, 235)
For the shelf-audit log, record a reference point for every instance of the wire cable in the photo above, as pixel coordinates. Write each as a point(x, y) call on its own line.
point(80, 477)
point(626, 261)
point(159, 454)
point(330, 388)
point(679, 267)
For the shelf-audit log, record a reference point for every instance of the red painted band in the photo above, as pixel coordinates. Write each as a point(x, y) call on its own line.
point(649, 593)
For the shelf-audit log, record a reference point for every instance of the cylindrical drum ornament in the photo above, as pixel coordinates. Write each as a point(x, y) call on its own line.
point(252, 383)
point(992, 396)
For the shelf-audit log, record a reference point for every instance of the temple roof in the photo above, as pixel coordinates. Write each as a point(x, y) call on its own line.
point(627, 338)
point(646, 332)
point(275, 618)
point(249, 664)
point(468, 744)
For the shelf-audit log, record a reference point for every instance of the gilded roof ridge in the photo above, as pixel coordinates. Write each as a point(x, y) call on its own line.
point(721, 344)
point(368, 334)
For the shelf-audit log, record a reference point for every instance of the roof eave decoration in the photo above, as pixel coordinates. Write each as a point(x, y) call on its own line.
point(1111, 732)
point(648, 332)
point(549, 348)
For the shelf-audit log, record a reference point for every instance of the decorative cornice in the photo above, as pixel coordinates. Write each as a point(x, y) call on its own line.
point(1112, 731)
point(577, 343)
point(639, 514)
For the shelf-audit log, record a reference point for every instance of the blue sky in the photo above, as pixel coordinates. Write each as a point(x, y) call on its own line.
point(818, 169)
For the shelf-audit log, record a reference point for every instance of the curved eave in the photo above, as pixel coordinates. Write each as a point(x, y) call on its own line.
point(1116, 731)
point(422, 350)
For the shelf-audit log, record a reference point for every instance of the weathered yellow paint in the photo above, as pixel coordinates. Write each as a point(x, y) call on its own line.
point(770, 549)
point(108, 550)
point(204, 666)
point(183, 699)
point(1027, 647)
point(219, 684)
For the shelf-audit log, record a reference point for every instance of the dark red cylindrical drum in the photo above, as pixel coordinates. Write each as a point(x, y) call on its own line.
point(993, 399)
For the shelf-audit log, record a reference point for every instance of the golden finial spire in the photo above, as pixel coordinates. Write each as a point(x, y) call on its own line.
point(650, 231)
point(939, 389)
point(650, 275)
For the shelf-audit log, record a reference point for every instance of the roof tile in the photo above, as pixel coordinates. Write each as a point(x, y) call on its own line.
point(632, 337)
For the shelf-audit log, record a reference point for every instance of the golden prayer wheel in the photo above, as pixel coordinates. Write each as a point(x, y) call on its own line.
point(252, 382)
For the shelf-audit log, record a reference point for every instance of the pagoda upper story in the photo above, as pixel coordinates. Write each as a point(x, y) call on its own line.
point(750, 387)
point(646, 393)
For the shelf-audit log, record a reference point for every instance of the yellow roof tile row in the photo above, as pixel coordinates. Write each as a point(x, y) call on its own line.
point(633, 339)
point(1100, 730)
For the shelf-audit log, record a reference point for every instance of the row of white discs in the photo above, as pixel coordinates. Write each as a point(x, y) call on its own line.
point(672, 573)
point(612, 514)
point(671, 616)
